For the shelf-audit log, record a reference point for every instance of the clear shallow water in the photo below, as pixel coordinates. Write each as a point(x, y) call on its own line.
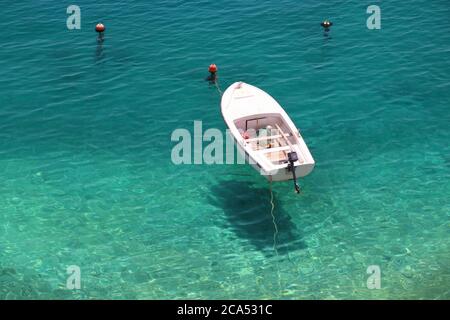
point(85, 147)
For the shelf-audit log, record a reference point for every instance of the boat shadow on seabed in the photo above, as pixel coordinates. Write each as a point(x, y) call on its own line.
point(247, 211)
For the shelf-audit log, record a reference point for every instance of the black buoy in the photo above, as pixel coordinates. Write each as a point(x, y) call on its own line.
point(326, 25)
point(292, 157)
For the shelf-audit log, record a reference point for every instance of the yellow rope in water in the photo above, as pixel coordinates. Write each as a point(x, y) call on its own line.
point(275, 235)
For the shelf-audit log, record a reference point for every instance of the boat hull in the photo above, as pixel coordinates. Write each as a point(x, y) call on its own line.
point(246, 108)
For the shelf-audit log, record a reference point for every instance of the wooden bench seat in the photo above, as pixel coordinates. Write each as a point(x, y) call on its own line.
point(265, 138)
point(273, 150)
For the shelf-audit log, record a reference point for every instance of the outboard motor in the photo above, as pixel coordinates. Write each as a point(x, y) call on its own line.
point(292, 157)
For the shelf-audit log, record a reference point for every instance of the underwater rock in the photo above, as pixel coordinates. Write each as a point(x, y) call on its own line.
point(307, 269)
point(7, 271)
point(407, 271)
point(141, 276)
point(61, 294)
point(12, 287)
point(127, 275)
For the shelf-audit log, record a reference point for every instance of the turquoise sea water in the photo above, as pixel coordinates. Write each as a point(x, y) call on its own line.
point(85, 151)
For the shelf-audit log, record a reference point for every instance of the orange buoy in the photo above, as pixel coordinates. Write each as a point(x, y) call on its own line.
point(100, 28)
point(213, 68)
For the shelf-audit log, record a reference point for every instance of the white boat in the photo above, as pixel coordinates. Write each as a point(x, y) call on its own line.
point(263, 131)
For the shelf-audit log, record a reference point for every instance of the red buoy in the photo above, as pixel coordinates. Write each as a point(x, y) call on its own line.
point(100, 28)
point(213, 68)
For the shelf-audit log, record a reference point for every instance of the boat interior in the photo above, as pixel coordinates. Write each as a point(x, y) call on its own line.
point(269, 136)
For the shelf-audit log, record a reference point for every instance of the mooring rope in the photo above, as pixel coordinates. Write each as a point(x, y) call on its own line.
point(216, 83)
point(275, 235)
